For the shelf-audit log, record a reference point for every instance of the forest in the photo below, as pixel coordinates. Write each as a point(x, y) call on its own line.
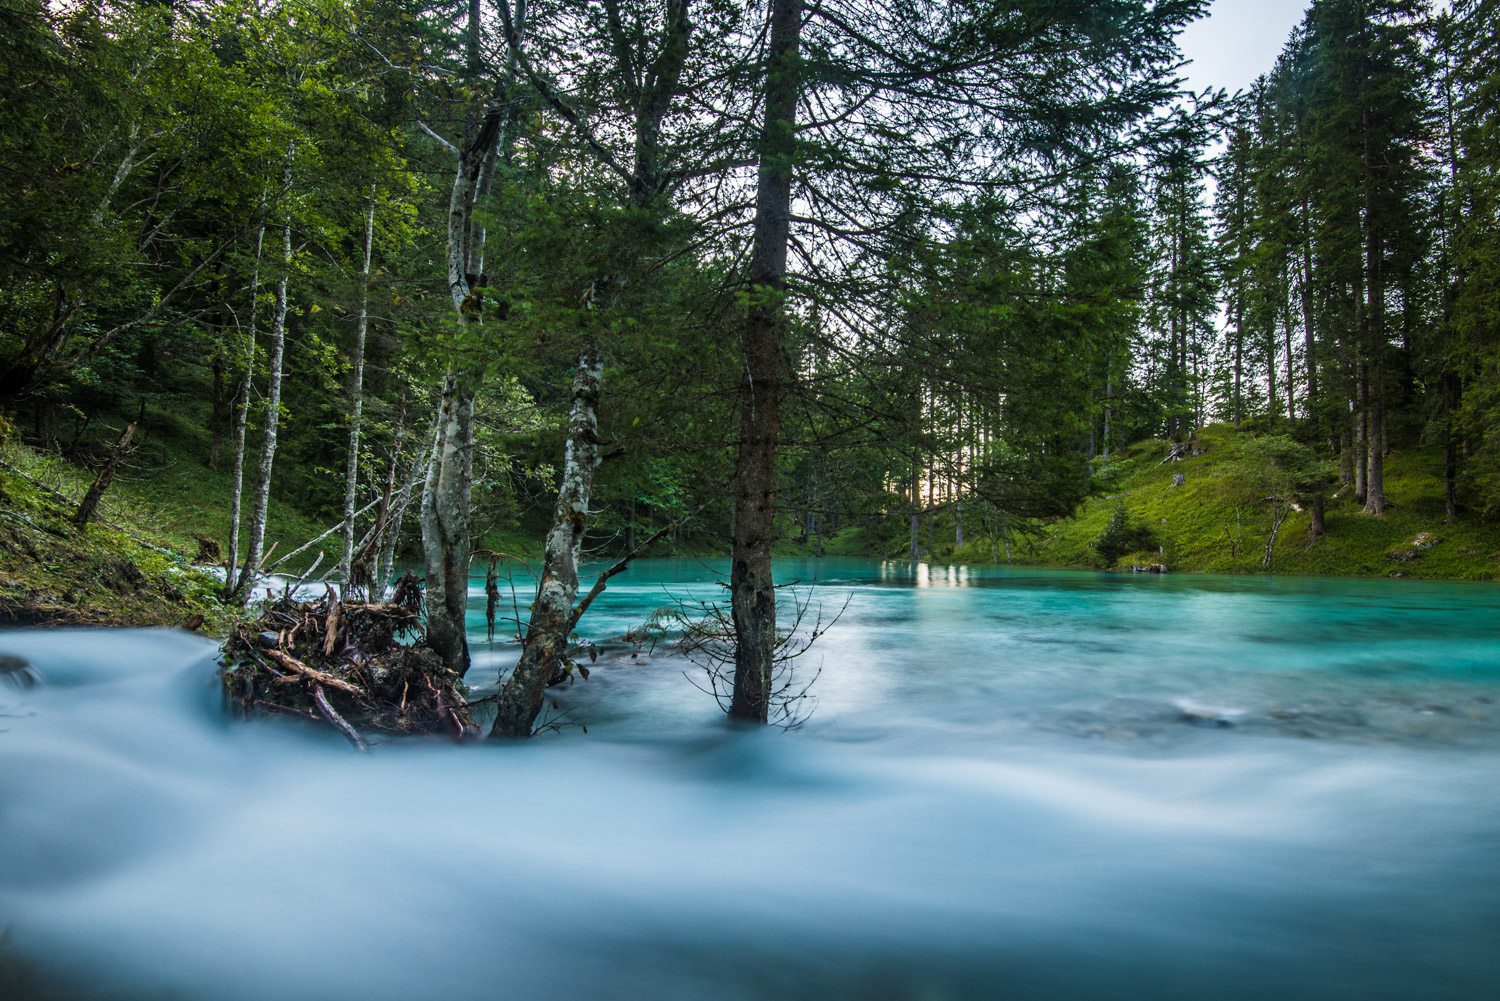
point(736, 276)
point(814, 500)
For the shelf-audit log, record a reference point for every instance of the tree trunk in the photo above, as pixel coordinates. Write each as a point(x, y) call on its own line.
point(1375, 502)
point(651, 92)
point(357, 401)
point(1361, 436)
point(1450, 446)
point(273, 397)
point(385, 556)
point(752, 591)
point(1270, 343)
point(1346, 452)
point(1452, 383)
point(1291, 371)
point(241, 418)
point(1309, 338)
point(1374, 414)
point(547, 632)
point(445, 524)
point(474, 266)
point(367, 557)
point(90, 501)
point(1174, 403)
point(1278, 516)
point(1109, 394)
point(446, 543)
point(1237, 407)
point(1374, 330)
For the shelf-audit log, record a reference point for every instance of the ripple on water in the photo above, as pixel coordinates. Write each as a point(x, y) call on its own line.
point(1019, 785)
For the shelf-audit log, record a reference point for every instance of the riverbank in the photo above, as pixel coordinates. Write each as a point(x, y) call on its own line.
point(127, 567)
point(1198, 514)
point(134, 565)
point(1202, 514)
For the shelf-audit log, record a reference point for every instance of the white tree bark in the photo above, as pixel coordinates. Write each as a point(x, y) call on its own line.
point(651, 93)
point(445, 524)
point(241, 419)
point(385, 555)
point(446, 544)
point(357, 399)
point(273, 395)
point(547, 632)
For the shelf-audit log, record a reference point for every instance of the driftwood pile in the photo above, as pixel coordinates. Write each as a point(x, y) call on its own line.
point(345, 665)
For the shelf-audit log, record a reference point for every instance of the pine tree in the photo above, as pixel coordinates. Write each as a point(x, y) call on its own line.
point(1366, 123)
point(1474, 180)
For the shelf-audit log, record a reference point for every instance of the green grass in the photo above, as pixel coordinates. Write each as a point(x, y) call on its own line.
point(110, 573)
point(1195, 523)
point(173, 497)
point(132, 566)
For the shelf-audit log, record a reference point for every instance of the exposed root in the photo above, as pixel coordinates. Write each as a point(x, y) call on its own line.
point(345, 664)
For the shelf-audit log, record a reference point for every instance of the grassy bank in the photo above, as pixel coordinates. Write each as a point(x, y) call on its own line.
point(1206, 524)
point(120, 570)
point(132, 565)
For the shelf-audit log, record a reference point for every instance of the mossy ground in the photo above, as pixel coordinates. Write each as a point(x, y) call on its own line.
point(132, 565)
point(1195, 523)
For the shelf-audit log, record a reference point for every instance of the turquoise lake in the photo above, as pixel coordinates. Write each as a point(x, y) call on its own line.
point(1013, 783)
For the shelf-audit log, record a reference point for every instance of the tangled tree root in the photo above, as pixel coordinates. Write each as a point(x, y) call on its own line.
point(344, 664)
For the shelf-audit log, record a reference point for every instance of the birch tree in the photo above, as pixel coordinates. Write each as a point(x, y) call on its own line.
point(646, 69)
point(446, 494)
point(242, 418)
point(356, 397)
point(274, 371)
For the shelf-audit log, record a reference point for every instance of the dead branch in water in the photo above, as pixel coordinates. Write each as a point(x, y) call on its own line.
point(346, 664)
point(332, 715)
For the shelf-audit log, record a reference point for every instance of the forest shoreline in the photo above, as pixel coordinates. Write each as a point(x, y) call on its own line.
point(135, 566)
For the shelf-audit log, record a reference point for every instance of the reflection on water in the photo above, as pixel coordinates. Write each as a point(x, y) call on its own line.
point(1016, 784)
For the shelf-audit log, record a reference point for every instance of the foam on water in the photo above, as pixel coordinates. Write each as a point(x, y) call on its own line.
point(1028, 785)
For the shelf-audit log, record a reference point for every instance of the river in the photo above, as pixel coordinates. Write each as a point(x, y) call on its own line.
point(1012, 784)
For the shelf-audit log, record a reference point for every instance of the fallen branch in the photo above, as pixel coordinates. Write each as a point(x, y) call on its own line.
point(293, 664)
point(102, 481)
point(337, 526)
point(331, 626)
point(342, 725)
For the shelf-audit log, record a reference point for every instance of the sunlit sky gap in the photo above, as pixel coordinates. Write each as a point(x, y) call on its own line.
point(1238, 41)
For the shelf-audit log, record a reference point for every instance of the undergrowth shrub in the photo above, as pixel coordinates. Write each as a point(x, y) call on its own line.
point(1121, 536)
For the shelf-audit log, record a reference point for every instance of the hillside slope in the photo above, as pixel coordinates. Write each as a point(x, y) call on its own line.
point(1196, 524)
point(132, 565)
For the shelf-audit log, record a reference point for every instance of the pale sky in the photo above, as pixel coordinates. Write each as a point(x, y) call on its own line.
point(1238, 41)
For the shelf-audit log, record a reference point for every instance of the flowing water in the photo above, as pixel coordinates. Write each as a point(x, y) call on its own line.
point(1019, 784)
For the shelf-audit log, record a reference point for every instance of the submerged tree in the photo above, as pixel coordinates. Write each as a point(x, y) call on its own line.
point(644, 77)
point(901, 101)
